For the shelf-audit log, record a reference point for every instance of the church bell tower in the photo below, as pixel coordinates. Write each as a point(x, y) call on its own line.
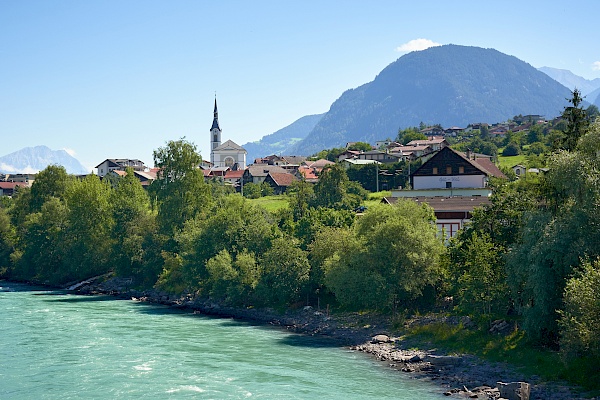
point(215, 134)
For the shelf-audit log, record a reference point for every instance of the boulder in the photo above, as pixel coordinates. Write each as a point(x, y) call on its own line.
point(380, 339)
point(514, 390)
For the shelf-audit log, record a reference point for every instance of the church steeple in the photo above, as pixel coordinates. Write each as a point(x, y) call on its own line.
point(215, 133)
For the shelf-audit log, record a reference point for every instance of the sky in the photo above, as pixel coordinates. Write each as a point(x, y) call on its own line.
point(119, 79)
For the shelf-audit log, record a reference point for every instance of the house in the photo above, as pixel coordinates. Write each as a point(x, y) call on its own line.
point(307, 174)
point(280, 181)
point(348, 154)
point(449, 169)
point(436, 143)
point(384, 157)
point(413, 151)
point(355, 162)
point(451, 213)
point(453, 131)
point(519, 170)
point(9, 188)
point(233, 178)
point(317, 166)
point(432, 131)
point(258, 173)
point(498, 130)
point(119, 164)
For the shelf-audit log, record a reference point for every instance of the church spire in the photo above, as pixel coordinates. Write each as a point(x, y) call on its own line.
point(215, 133)
point(215, 124)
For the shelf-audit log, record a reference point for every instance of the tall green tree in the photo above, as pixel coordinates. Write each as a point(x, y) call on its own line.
point(396, 258)
point(179, 189)
point(577, 122)
point(50, 182)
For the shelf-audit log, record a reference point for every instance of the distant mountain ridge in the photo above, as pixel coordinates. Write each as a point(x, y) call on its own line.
point(451, 85)
point(35, 159)
point(279, 142)
point(590, 88)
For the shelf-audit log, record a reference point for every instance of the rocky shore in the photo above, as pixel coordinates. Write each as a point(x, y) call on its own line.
point(459, 376)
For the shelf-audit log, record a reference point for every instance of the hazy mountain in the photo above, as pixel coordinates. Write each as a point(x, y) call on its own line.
point(35, 159)
point(280, 141)
point(594, 97)
point(572, 81)
point(450, 85)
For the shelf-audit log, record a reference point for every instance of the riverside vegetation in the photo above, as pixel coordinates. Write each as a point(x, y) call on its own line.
point(530, 258)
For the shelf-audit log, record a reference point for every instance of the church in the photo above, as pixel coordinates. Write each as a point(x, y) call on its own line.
point(228, 154)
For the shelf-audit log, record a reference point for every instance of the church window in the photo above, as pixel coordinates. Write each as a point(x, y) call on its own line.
point(215, 138)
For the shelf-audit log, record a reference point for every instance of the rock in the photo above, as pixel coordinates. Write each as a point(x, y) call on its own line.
point(380, 339)
point(441, 361)
point(415, 359)
point(514, 390)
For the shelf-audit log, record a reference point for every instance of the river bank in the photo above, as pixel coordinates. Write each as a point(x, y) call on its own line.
point(460, 376)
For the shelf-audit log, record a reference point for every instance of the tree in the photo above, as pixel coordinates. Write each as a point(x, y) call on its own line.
point(179, 189)
point(300, 196)
point(284, 272)
point(360, 146)
point(50, 182)
point(87, 239)
point(478, 277)
point(556, 236)
point(577, 121)
point(395, 259)
point(580, 319)
point(512, 149)
point(136, 227)
point(7, 241)
point(409, 134)
point(330, 191)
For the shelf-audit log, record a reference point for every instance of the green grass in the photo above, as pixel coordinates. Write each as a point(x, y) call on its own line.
point(512, 349)
point(271, 203)
point(375, 198)
point(512, 160)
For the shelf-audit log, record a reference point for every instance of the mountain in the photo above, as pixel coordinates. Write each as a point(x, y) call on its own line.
point(594, 97)
point(35, 159)
point(280, 141)
point(572, 81)
point(450, 85)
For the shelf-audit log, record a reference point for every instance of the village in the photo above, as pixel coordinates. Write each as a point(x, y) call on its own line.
point(453, 183)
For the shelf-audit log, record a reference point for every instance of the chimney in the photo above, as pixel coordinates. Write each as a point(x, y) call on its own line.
point(468, 153)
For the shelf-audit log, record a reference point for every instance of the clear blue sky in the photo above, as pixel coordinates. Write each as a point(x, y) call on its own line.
point(117, 79)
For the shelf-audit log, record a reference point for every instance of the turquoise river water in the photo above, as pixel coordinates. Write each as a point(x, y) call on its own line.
point(55, 345)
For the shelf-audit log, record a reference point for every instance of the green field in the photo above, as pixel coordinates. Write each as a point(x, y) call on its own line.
point(512, 160)
point(271, 203)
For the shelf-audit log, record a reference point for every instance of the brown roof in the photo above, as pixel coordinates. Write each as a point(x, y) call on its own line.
point(283, 179)
point(489, 166)
point(234, 174)
point(11, 185)
point(319, 163)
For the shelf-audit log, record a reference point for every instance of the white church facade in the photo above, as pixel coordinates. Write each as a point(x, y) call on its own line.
point(228, 154)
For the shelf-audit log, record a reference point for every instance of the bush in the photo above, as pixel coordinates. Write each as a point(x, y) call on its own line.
point(512, 149)
point(580, 320)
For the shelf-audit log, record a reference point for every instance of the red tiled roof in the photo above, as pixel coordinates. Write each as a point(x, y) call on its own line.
point(234, 174)
point(11, 185)
point(283, 179)
point(308, 173)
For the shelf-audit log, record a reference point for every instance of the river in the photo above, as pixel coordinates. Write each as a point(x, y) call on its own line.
point(56, 345)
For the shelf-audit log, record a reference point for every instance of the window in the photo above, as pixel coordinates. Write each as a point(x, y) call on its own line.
point(449, 170)
point(435, 170)
point(461, 170)
point(448, 185)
